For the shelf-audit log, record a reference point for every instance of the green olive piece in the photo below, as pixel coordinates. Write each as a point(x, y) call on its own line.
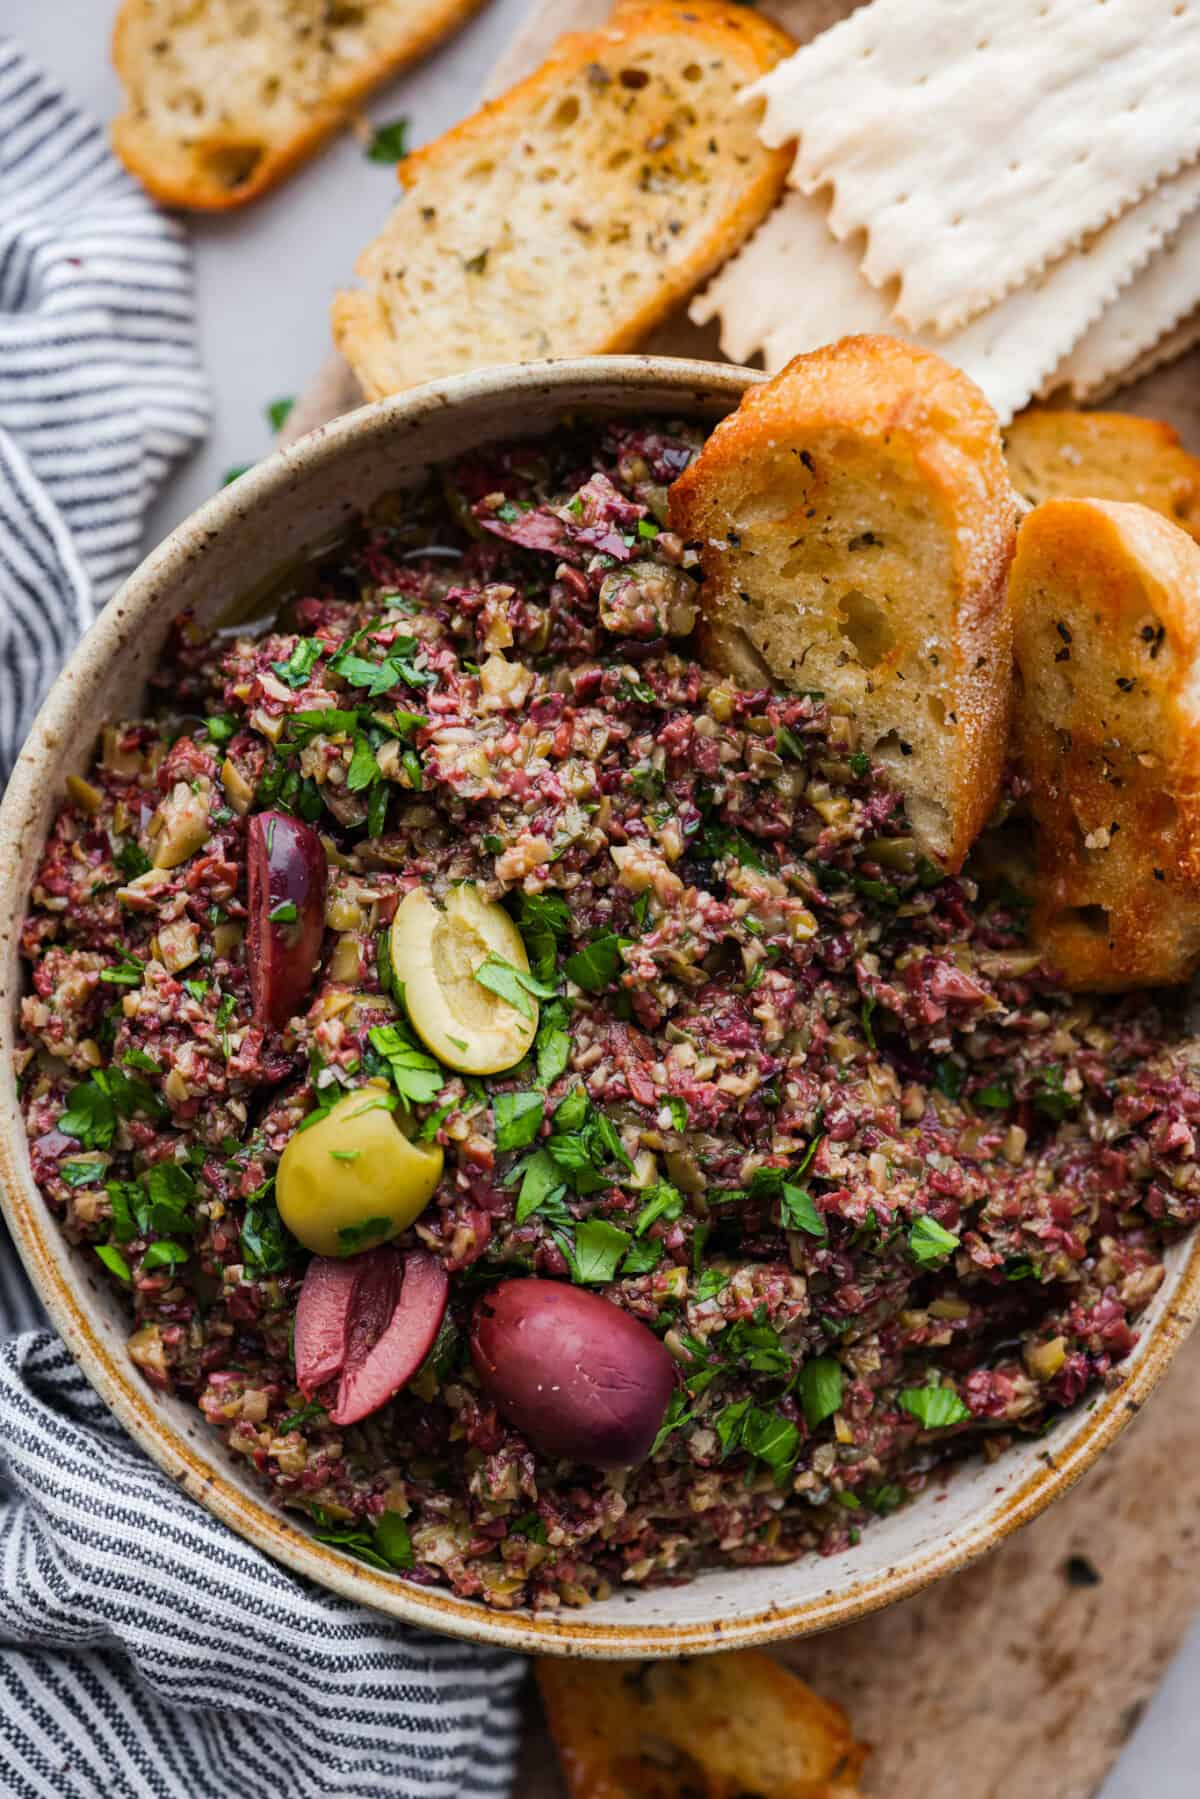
point(437, 953)
point(353, 1179)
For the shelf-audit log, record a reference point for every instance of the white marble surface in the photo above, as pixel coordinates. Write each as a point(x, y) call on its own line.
point(264, 281)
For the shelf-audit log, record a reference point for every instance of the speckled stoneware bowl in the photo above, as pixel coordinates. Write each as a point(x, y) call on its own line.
point(294, 500)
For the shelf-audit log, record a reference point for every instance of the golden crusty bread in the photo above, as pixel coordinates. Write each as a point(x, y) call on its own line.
point(572, 214)
point(1056, 455)
point(1106, 603)
point(717, 1727)
point(224, 97)
point(856, 525)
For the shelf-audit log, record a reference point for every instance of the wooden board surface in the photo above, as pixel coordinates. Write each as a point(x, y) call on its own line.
point(1022, 1677)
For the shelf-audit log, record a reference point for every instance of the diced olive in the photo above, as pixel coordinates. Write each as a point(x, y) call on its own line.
point(180, 826)
point(646, 599)
point(353, 1179)
point(437, 953)
point(89, 798)
point(899, 853)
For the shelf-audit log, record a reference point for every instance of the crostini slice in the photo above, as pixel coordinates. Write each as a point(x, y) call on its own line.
point(571, 215)
point(1106, 603)
point(856, 524)
point(223, 98)
point(1062, 455)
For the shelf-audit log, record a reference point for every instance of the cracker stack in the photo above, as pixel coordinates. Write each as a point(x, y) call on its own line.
point(1017, 187)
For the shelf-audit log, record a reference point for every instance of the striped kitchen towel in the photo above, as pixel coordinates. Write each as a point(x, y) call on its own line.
point(145, 1651)
point(101, 387)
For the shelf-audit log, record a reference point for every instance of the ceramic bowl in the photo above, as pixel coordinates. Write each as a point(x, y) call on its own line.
point(294, 500)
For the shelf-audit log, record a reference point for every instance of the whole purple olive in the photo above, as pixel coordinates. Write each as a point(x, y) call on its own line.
point(572, 1372)
point(286, 875)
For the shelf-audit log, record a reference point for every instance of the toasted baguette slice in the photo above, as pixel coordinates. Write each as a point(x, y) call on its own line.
point(571, 215)
point(224, 97)
point(1106, 601)
point(718, 1725)
point(856, 526)
point(1104, 456)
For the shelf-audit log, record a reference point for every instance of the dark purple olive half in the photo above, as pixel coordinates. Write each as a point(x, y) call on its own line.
point(572, 1372)
point(287, 875)
point(368, 1322)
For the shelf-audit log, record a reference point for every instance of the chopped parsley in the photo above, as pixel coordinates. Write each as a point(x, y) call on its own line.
point(933, 1407)
point(929, 1241)
point(820, 1389)
point(512, 984)
point(300, 664)
point(518, 1117)
point(595, 965)
point(389, 143)
point(416, 1075)
point(352, 1237)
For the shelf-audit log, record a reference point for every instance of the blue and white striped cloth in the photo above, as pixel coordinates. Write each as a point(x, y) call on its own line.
point(145, 1651)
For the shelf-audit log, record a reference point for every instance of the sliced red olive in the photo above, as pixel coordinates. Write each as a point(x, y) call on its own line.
point(323, 1321)
point(287, 875)
point(572, 1372)
point(368, 1322)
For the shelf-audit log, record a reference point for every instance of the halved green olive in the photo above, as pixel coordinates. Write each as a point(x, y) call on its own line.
point(354, 1179)
point(437, 953)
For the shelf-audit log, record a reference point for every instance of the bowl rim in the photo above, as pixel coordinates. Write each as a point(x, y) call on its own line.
point(203, 1475)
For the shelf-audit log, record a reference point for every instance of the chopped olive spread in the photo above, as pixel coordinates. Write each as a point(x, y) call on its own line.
point(651, 977)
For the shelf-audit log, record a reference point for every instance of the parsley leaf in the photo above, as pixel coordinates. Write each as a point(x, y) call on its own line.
point(599, 1247)
point(164, 1254)
point(277, 412)
point(389, 143)
point(363, 769)
point(353, 1237)
point(662, 1201)
point(644, 1254)
point(90, 1116)
point(127, 973)
point(594, 966)
point(820, 1389)
point(517, 1116)
point(115, 1262)
point(416, 1076)
point(934, 1407)
point(1051, 1097)
point(264, 1244)
point(677, 1416)
point(798, 1212)
point(541, 1182)
point(511, 984)
point(543, 920)
point(929, 1241)
point(553, 1044)
point(300, 664)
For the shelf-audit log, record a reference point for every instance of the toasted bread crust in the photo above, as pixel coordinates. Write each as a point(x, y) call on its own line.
point(205, 175)
point(1060, 455)
point(721, 1725)
point(803, 502)
point(372, 325)
point(1106, 600)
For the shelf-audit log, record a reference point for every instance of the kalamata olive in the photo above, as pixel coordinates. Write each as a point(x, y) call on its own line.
point(369, 1323)
point(286, 875)
point(354, 1178)
point(571, 1371)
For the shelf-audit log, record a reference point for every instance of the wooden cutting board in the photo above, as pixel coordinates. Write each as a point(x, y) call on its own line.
point(1023, 1677)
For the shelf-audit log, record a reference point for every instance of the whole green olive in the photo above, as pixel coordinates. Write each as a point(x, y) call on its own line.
point(353, 1179)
